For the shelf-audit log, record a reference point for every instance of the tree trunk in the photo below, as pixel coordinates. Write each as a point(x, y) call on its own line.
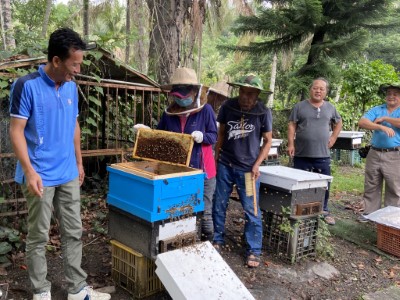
point(7, 28)
point(86, 19)
point(128, 31)
point(141, 43)
point(3, 34)
point(168, 18)
point(270, 102)
point(49, 4)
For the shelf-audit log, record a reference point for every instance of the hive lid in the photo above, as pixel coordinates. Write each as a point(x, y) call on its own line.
point(199, 272)
point(351, 134)
point(163, 146)
point(292, 179)
point(388, 216)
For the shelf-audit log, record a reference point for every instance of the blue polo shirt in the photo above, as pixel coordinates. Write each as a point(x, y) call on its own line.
point(379, 138)
point(51, 118)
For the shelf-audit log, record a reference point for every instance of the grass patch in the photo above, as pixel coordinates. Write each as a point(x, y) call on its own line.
point(347, 179)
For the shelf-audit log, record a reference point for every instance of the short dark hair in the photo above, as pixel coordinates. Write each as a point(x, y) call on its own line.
point(61, 41)
point(322, 79)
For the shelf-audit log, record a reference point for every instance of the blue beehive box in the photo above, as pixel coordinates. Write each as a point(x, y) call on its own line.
point(157, 190)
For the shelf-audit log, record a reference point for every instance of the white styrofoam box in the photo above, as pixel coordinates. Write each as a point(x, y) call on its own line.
point(351, 134)
point(273, 151)
point(389, 216)
point(292, 179)
point(356, 141)
point(172, 229)
point(275, 142)
point(199, 272)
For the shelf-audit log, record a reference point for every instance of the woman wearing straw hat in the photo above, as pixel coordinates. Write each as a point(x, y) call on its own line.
point(243, 122)
point(189, 113)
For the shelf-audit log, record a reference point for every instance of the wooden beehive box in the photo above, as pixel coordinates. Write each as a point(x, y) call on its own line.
point(286, 187)
point(164, 146)
point(161, 186)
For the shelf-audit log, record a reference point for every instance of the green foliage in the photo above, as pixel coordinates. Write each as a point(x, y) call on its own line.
point(351, 181)
point(327, 32)
point(360, 86)
point(287, 226)
point(10, 240)
point(385, 46)
point(323, 247)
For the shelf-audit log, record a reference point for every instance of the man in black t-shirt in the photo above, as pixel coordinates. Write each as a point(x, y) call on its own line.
point(244, 120)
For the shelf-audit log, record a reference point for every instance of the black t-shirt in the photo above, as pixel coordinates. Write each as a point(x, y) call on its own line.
point(243, 133)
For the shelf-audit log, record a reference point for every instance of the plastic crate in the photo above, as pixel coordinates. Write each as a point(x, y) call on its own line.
point(290, 247)
point(134, 272)
point(389, 239)
point(271, 162)
point(346, 157)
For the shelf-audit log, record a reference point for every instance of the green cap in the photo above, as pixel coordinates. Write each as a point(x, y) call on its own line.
point(251, 81)
point(383, 88)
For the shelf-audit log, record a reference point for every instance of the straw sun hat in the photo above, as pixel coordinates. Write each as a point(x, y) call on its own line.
point(186, 76)
point(182, 76)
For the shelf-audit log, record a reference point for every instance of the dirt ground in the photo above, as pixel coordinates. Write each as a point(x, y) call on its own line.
point(362, 267)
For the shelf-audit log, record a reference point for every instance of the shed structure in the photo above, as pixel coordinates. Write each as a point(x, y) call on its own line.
point(112, 98)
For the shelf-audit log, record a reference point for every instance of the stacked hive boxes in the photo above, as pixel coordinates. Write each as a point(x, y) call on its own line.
point(292, 201)
point(345, 150)
point(154, 206)
point(273, 155)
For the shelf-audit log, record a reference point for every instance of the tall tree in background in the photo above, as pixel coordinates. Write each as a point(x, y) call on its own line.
point(49, 4)
point(128, 31)
point(6, 25)
point(165, 38)
point(86, 19)
point(335, 29)
point(141, 43)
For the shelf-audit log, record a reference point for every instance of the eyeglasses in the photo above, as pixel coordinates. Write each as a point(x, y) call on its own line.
point(318, 113)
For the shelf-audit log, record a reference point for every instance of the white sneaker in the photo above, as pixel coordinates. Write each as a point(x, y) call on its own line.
point(87, 293)
point(42, 296)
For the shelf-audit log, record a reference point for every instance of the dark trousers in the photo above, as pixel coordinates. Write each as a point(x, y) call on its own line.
point(316, 165)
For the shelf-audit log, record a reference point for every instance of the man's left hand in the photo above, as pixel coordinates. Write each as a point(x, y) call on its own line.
point(255, 171)
point(81, 172)
point(331, 142)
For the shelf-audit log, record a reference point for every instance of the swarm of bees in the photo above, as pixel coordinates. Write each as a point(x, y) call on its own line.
point(162, 149)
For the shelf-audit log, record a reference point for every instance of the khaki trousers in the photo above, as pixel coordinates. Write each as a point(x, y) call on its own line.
point(381, 167)
point(65, 199)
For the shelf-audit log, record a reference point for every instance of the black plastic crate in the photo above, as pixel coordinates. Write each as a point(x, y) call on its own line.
point(346, 157)
point(291, 247)
point(144, 236)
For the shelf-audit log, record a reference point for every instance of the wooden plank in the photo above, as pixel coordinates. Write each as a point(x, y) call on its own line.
point(18, 200)
point(13, 213)
point(115, 85)
point(155, 170)
point(6, 155)
point(88, 153)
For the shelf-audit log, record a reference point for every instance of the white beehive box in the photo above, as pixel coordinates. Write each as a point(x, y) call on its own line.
point(292, 179)
point(274, 146)
point(349, 140)
point(302, 191)
point(198, 272)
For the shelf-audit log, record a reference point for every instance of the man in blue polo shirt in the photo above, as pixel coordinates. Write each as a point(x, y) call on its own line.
point(383, 160)
point(45, 135)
